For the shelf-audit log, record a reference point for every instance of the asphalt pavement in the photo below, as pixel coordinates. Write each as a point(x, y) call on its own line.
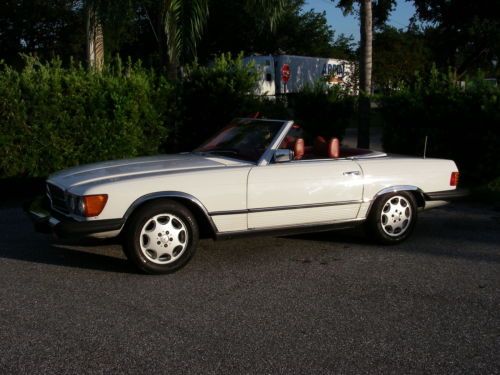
point(329, 303)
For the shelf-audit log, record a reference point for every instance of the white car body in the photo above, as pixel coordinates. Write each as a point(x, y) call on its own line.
point(237, 197)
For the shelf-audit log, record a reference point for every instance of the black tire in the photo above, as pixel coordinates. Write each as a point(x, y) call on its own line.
point(389, 212)
point(138, 236)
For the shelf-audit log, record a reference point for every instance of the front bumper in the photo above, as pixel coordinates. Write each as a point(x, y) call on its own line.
point(447, 195)
point(46, 220)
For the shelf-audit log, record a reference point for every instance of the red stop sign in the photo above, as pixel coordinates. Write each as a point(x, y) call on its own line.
point(285, 73)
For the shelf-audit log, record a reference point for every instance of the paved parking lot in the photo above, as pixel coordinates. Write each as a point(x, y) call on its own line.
point(321, 303)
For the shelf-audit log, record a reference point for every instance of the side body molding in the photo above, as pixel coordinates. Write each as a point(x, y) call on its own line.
point(171, 194)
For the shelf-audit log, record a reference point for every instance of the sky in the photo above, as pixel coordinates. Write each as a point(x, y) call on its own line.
point(349, 25)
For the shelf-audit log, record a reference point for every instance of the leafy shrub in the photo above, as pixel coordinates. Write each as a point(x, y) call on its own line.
point(208, 97)
point(322, 110)
point(52, 118)
point(461, 123)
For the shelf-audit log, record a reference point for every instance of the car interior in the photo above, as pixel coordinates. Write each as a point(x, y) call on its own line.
point(307, 147)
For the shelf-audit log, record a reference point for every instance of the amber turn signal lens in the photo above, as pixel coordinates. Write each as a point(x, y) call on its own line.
point(94, 204)
point(454, 178)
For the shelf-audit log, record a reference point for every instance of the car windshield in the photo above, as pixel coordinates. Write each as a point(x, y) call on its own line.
point(244, 139)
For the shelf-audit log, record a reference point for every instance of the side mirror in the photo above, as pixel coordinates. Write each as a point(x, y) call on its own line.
point(283, 155)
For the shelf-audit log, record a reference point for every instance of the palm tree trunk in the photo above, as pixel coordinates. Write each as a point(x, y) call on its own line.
point(365, 76)
point(95, 38)
point(172, 69)
point(366, 46)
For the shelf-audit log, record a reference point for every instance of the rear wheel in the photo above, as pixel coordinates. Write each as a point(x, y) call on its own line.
point(161, 237)
point(392, 217)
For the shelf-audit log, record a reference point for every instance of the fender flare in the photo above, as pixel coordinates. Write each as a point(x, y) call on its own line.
point(394, 189)
point(171, 194)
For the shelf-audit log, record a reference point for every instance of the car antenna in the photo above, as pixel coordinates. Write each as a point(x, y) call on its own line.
point(425, 146)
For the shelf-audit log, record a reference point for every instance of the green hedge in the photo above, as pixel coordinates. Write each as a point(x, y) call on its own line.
point(53, 117)
point(462, 123)
point(208, 97)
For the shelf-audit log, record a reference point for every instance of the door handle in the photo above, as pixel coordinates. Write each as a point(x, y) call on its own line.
point(351, 173)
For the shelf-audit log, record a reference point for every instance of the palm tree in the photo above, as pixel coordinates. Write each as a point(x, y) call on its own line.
point(365, 72)
point(94, 35)
point(184, 22)
point(366, 41)
point(271, 10)
point(382, 8)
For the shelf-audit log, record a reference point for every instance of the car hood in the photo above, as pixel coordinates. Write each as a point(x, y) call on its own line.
point(137, 167)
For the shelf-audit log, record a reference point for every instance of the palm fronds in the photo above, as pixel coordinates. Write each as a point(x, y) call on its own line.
point(184, 21)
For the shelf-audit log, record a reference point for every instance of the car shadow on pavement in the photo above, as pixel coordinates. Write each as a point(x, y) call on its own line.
point(19, 241)
point(353, 236)
point(476, 239)
point(66, 255)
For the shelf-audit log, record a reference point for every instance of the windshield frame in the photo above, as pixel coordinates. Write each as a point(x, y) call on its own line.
point(267, 155)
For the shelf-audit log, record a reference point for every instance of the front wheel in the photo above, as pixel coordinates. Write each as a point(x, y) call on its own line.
point(392, 217)
point(161, 237)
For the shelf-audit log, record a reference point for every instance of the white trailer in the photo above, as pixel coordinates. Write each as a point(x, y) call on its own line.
point(282, 74)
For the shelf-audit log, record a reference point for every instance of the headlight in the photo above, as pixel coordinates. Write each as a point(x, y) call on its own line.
point(80, 206)
point(87, 205)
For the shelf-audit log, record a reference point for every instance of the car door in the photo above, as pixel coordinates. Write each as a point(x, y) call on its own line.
point(303, 192)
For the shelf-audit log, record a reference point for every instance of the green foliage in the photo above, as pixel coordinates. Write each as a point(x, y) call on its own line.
point(208, 97)
point(45, 28)
point(461, 123)
point(322, 110)
point(305, 33)
point(381, 9)
point(489, 192)
point(463, 34)
point(296, 32)
point(143, 29)
point(399, 55)
point(52, 118)
point(184, 22)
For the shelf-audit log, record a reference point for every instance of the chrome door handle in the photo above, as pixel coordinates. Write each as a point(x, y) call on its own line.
point(351, 173)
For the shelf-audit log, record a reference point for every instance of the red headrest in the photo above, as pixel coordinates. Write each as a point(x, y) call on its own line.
point(299, 148)
point(334, 148)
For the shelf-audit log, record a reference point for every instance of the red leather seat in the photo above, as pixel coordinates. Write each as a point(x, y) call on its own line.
point(299, 149)
point(322, 149)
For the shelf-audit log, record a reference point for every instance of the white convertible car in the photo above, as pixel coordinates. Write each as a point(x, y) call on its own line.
point(253, 177)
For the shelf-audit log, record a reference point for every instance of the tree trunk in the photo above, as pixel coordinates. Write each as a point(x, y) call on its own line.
point(365, 74)
point(173, 70)
point(95, 39)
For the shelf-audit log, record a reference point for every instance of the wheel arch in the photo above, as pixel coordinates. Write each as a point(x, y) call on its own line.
point(206, 225)
point(417, 193)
